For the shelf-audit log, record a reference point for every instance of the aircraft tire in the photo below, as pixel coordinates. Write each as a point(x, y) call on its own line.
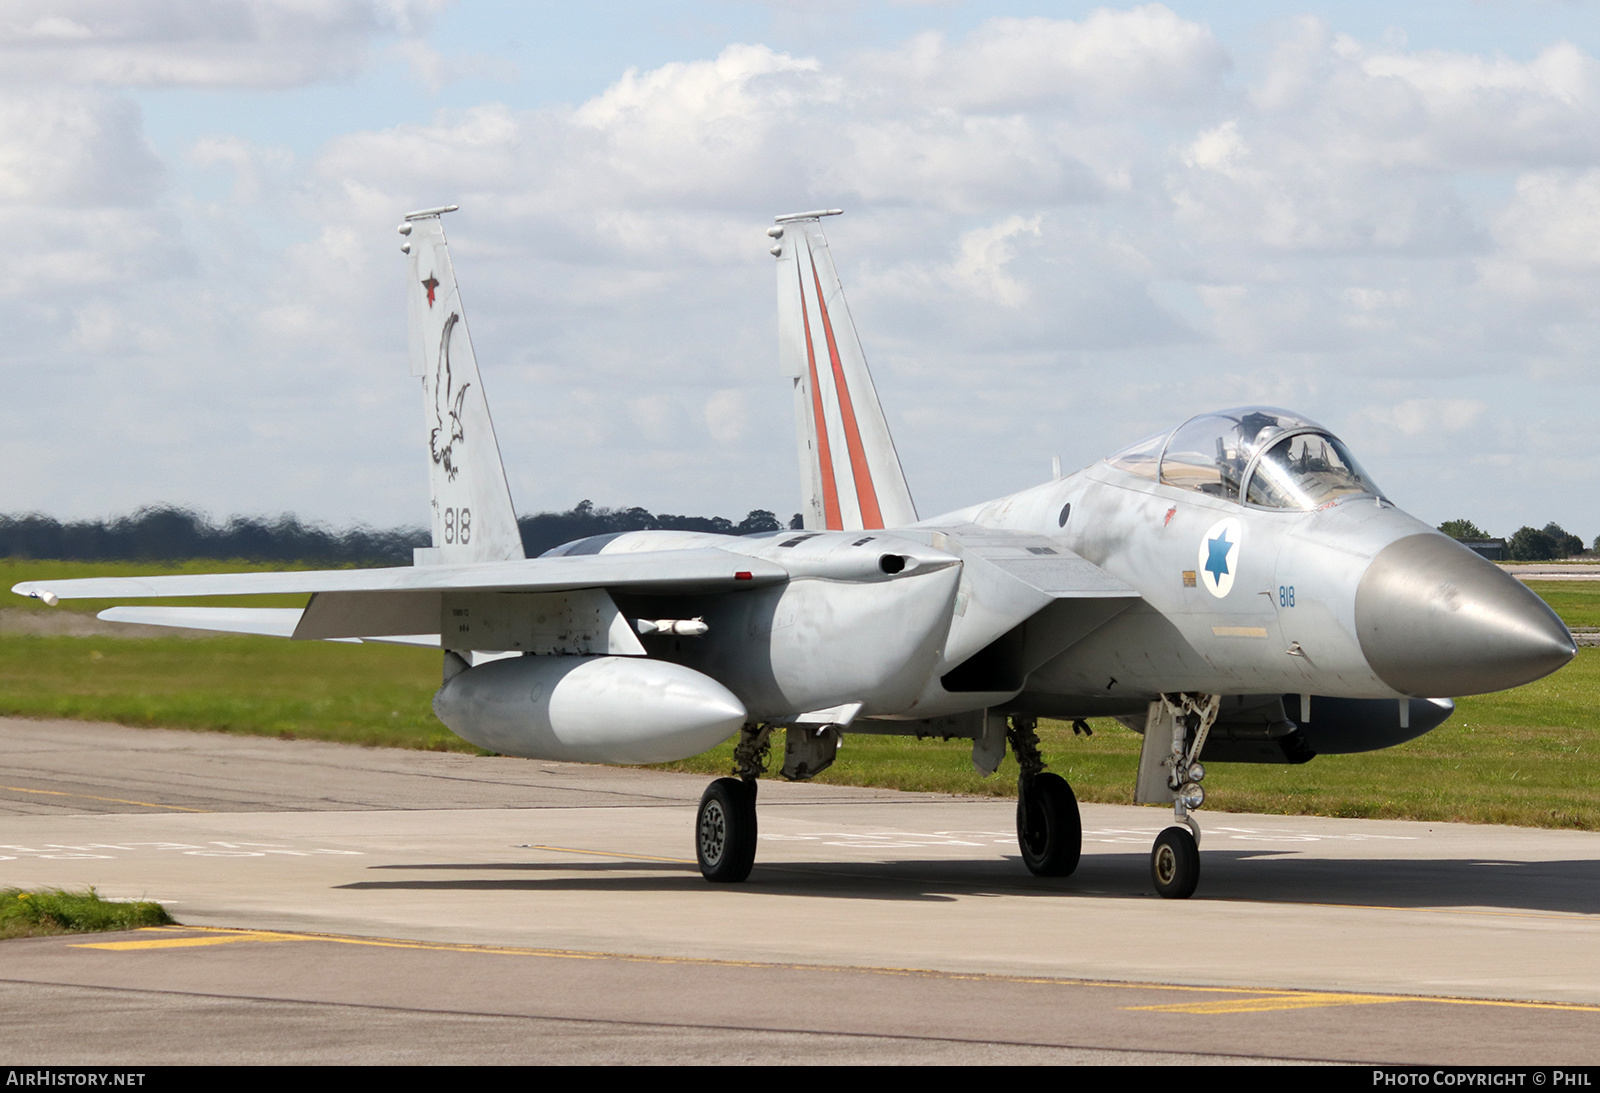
point(725, 831)
point(1049, 829)
point(1175, 864)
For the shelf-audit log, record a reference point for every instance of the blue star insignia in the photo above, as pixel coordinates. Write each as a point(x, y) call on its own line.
point(1217, 562)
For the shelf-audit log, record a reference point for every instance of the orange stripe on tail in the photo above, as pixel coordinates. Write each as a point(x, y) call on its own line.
point(866, 495)
point(832, 519)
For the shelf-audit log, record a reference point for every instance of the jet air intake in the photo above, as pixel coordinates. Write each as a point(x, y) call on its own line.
point(1436, 620)
point(589, 709)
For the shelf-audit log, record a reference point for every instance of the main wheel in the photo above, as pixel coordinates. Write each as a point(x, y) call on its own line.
point(1175, 863)
point(725, 831)
point(1049, 830)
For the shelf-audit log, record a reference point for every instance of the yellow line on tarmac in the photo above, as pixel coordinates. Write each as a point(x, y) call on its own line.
point(187, 942)
point(613, 854)
point(1267, 1003)
point(1242, 1000)
point(92, 797)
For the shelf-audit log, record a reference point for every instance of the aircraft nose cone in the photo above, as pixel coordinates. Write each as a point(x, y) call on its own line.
point(1436, 620)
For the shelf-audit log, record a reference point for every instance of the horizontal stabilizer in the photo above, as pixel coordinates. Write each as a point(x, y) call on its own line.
point(272, 622)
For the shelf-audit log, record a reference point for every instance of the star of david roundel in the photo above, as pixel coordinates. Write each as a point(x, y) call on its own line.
point(1219, 556)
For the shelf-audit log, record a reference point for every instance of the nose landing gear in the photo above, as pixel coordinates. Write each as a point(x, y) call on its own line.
point(1170, 770)
point(1175, 863)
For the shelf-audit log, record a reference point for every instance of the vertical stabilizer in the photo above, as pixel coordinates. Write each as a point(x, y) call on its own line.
point(849, 471)
point(473, 520)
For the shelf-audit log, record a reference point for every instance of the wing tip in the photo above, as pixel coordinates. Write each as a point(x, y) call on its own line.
point(34, 591)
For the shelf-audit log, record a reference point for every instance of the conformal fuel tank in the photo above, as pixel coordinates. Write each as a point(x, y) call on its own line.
point(589, 709)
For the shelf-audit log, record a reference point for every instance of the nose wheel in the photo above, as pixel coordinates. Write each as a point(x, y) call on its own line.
point(1175, 863)
point(725, 831)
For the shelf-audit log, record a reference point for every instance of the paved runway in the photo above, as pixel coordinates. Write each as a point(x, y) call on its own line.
point(346, 904)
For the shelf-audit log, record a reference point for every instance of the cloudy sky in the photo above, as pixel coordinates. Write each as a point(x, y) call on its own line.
point(1066, 226)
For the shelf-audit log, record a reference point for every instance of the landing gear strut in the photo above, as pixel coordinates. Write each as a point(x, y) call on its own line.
point(1169, 765)
point(725, 827)
point(1049, 829)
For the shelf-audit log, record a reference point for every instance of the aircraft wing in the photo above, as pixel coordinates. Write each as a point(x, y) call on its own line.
point(409, 604)
point(706, 569)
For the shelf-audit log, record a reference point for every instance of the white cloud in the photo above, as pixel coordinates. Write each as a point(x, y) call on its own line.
point(1429, 417)
point(1553, 221)
point(197, 43)
point(727, 416)
point(983, 257)
point(1122, 61)
point(1061, 232)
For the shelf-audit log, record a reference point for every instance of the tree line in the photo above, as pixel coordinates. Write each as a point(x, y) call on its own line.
point(1526, 544)
point(168, 533)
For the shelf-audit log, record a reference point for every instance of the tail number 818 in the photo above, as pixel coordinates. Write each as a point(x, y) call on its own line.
point(458, 526)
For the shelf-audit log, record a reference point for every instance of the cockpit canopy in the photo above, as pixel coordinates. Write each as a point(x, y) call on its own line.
point(1270, 457)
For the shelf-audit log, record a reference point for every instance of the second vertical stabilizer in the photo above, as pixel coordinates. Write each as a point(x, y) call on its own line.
point(848, 466)
point(473, 520)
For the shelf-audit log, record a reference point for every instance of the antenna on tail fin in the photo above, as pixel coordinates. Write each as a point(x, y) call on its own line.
point(473, 520)
point(849, 471)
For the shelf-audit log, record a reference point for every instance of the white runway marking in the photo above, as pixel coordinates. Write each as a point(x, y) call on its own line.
point(215, 848)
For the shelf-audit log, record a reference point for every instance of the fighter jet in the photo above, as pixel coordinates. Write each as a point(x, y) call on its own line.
point(1237, 589)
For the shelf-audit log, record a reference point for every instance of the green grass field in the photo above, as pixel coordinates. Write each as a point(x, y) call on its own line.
point(1520, 757)
point(54, 911)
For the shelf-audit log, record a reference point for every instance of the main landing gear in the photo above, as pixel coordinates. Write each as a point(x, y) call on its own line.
point(725, 827)
point(725, 830)
point(1049, 829)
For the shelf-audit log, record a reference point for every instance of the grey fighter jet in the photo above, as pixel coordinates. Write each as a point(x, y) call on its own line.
point(1236, 589)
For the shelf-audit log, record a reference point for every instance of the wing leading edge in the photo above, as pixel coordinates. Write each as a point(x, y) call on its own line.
point(671, 569)
point(406, 604)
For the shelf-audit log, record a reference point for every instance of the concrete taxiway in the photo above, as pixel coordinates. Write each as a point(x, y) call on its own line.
point(347, 904)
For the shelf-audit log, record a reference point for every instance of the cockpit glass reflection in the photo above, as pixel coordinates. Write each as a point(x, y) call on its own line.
point(1209, 453)
point(1305, 471)
point(1142, 458)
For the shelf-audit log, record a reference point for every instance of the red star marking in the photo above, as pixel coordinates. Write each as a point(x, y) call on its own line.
point(1170, 513)
point(430, 284)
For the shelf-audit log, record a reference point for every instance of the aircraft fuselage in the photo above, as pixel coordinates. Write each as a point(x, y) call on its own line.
point(1280, 611)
